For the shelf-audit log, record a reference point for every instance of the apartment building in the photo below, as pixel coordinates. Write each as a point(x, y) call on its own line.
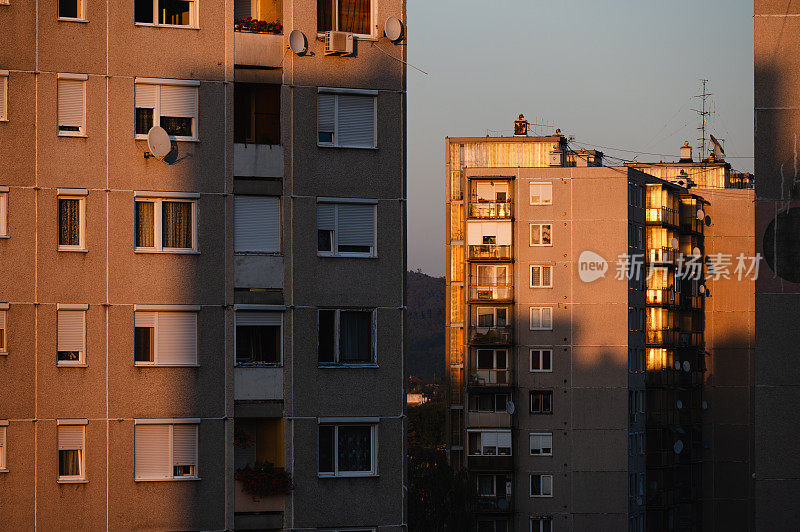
point(579, 392)
point(168, 321)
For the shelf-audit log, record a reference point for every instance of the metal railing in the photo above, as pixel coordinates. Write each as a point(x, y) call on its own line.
point(661, 215)
point(490, 209)
point(490, 377)
point(491, 292)
point(490, 335)
point(489, 252)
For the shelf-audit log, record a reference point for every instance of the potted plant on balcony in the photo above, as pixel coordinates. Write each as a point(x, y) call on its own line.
point(263, 479)
point(251, 25)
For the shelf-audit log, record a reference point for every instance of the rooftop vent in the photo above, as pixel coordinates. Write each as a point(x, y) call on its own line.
point(686, 153)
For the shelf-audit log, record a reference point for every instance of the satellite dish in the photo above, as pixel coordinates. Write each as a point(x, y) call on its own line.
point(702, 289)
point(674, 243)
point(298, 42)
point(701, 214)
point(704, 405)
point(510, 408)
point(686, 365)
point(158, 142)
point(678, 447)
point(679, 404)
point(393, 29)
point(696, 252)
point(707, 220)
point(677, 365)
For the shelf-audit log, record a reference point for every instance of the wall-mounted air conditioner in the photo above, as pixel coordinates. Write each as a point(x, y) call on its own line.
point(338, 43)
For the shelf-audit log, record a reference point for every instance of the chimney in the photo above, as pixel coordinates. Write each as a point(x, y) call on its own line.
point(521, 127)
point(686, 153)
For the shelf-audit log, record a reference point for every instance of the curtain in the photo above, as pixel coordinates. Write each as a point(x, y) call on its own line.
point(354, 16)
point(69, 222)
point(355, 448)
point(145, 228)
point(355, 336)
point(69, 463)
point(176, 224)
point(324, 15)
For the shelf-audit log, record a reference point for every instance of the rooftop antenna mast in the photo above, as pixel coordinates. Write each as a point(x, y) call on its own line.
point(703, 112)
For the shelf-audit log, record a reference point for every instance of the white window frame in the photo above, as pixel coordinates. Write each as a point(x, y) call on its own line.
point(4, 328)
point(82, 308)
point(533, 435)
point(545, 190)
point(372, 21)
point(158, 200)
point(171, 424)
point(541, 312)
point(3, 446)
point(158, 311)
point(334, 252)
point(541, 268)
point(339, 422)
point(79, 195)
point(81, 18)
point(539, 227)
point(491, 431)
point(537, 523)
point(280, 336)
point(336, 92)
point(83, 79)
point(538, 351)
point(160, 82)
point(193, 18)
point(337, 331)
point(4, 92)
point(4, 212)
point(67, 479)
point(542, 477)
point(493, 313)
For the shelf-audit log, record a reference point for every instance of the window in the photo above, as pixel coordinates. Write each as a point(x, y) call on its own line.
point(541, 360)
point(256, 113)
point(346, 336)
point(165, 449)
point(348, 450)
point(71, 456)
point(3, 445)
point(541, 485)
point(166, 12)
point(489, 442)
point(541, 235)
point(71, 10)
point(541, 524)
point(256, 224)
point(353, 16)
point(165, 338)
point(3, 94)
point(258, 337)
point(171, 104)
point(491, 317)
point(347, 118)
point(495, 486)
point(541, 318)
point(488, 402)
point(541, 402)
point(541, 193)
point(72, 105)
point(493, 525)
point(541, 276)
point(165, 225)
point(3, 331)
point(71, 336)
point(541, 443)
point(346, 229)
point(71, 223)
point(3, 210)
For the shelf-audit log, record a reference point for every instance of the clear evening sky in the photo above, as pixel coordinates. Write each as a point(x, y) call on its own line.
point(615, 73)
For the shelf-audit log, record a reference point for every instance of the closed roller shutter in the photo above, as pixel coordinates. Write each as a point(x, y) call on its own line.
point(152, 460)
point(70, 437)
point(255, 319)
point(326, 216)
point(177, 338)
point(184, 444)
point(178, 101)
point(256, 223)
point(145, 96)
point(356, 225)
point(3, 97)
point(144, 319)
point(326, 104)
point(70, 102)
point(71, 330)
point(356, 124)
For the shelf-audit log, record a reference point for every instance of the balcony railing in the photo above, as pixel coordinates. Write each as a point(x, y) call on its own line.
point(492, 503)
point(490, 377)
point(662, 255)
point(265, 50)
point(666, 337)
point(490, 335)
point(488, 419)
point(660, 296)
point(661, 215)
point(489, 252)
point(491, 292)
point(490, 209)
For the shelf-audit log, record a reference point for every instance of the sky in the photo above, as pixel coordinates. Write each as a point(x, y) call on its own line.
point(614, 73)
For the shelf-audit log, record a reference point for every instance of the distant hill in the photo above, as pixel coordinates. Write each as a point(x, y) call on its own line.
point(425, 350)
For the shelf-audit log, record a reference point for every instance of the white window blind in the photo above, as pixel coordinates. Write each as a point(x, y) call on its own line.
point(71, 327)
point(176, 338)
point(178, 101)
point(326, 216)
point(500, 230)
point(151, 456)
point(145, 95)
point(255, 319)
point(71, 95)
point(144, 319)
point(3, 333)
point(242, 9)
point(326, 113)
point(3, 97)
point(256, 223)
point(184, 444)
point(70, 437)
point(356, 225)
point(2, 447)
point(356, 121)
point(4, 214)
point(541, 444)
point(541, 318)
point(541, 193)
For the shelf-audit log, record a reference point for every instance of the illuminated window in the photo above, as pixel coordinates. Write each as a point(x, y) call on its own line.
point(71, 456)
point(166, 12)
point(353, 16)
point(170, 104)
point(541, 235)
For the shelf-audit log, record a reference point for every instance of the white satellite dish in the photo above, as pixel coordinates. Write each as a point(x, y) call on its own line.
point(702, 289)
point(686, 366)
point(677, 365)
point(679, 404)
point(510, 408)
point(158, 142)
point(700, 214)
point(674, 243)
point(393, 28)
point(678, 447)
point(696, 252)
point(298, 42)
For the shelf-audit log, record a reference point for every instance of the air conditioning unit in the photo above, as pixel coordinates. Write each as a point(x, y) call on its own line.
point(338, 43)
point(556, 158)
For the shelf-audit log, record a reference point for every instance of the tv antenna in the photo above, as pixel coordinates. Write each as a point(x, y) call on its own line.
point(704, 112)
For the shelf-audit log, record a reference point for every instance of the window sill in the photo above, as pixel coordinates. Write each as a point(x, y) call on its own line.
point(3, 119)
point(258, 253)
point(175, 139)
point(3, 353)
point(5, 236)
point(347, 147)
point(258, 365)
point(67, 19)
point(348, 366)
point(2, 469)
point(340, 256)
point(168, 26)
point(144, 365)
point(176, 479)
point(359, 36)
point(69, 481)
point(70, 250)
point(62, 365)
point(166, 252)
point(348, 475)
point(73, 135)
point(541, 371)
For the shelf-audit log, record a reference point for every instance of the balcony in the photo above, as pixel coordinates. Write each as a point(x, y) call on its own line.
point(245, 502)
point(492, 504)
point(661, 296)
point(661, 216)
point(260, 50)
point(491, 292)
point(490, 335)
point(662, 337)
point(661, 255)
point(490, 209)
point(257, 160)
point(490, 252)
point(490, 377)
point(256, 383)
point(488, 419)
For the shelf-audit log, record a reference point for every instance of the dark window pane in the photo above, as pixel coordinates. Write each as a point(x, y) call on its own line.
point(355, 336)
point(474, 443)
point(324, 240)
point(69, 8)
point(144, 120)
point(325, 137)
point(354, 16)
point(485, 359)
point(183, 471)
point(546, 359)
point(144, 220)
point(260, 343)
point(176, 223)
point(69, 463)
point(177, 126)
point(242, 112)
point(69, 128)
point(500, 360)
point(326, 335)
point(69, 222)
point(355, 448)
point(267, 113)
point(354, 249)
point(174, 12)
point(326, 445)
point(325, 15)
point(143, 11)
point(143, 344)
point(500, 402)
point(69, 356)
